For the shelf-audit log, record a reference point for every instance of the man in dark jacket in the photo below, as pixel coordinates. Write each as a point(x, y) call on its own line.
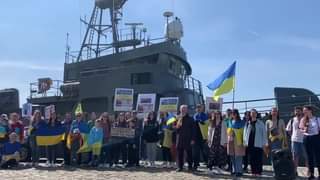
point(185, 137)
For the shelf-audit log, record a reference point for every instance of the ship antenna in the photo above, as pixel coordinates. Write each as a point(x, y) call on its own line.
point(67, 55)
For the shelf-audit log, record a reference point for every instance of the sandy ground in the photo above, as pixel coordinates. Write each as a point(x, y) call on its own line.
point(26, 172)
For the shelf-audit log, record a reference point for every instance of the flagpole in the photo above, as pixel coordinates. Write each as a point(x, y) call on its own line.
point(233, 97)
point(234, 89)
point(233, 100)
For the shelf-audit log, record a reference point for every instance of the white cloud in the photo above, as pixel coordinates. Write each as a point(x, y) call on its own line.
point(297, 41)
point(28, 65)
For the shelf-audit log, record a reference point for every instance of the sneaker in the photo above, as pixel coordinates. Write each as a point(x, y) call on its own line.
point(311, 177)
point(179, 170)
point(195, 168)
point(168, 165)
point(47, 164)
point(172, 164)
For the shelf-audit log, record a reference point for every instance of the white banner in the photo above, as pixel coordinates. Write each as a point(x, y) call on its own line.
point(212, 105)
point(169, 104)
point(27, 110)
point(146, 103)
point(48, 110)
point(123, 99)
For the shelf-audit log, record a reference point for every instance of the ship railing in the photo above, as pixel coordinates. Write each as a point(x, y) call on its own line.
point(264, 106)
point(127, 40)
point(193, 84)
point(52, 89)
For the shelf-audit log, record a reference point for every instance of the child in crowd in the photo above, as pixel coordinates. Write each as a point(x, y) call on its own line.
point(10, 152)
point(95, 142)
point(15, 125)
point(4, 129)
point(78, 126)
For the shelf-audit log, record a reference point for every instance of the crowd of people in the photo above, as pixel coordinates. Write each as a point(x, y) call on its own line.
point(224, 141)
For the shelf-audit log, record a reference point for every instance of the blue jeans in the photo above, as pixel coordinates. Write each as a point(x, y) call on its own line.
point(236, 164)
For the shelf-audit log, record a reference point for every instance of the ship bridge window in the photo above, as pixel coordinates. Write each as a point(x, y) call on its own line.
point(177, 68)
point(141, 78)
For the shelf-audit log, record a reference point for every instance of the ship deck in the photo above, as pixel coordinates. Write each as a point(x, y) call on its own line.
point(25, 172)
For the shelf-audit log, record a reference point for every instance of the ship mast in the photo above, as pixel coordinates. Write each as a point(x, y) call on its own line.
point(96, 40)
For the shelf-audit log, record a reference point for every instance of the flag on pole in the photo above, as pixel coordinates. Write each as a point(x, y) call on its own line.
point(224, 83)
point(79, 108)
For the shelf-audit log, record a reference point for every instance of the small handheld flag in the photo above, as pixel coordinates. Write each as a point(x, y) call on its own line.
point(171, 119)
point(224, 83)
point(79, 108)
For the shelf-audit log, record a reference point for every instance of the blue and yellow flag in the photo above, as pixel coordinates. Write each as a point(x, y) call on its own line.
point(225, 82)
point(46, 136)
point(3, 131)
point(171, 119)
point(83, 129)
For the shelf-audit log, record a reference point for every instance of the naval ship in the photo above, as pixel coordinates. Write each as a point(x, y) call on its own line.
point(111, 57)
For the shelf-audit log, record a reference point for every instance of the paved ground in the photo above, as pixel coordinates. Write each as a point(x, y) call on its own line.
point(60, 173)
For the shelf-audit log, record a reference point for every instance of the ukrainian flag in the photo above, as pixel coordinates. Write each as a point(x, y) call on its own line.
point(46, 136)
point(225, 83)
point(171, 119)
point(84, 131)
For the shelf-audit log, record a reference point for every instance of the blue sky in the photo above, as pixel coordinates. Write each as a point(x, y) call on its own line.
point(276, 43)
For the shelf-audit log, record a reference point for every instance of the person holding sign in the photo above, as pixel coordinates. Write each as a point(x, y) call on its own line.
point(185, 137)
point(201, 136)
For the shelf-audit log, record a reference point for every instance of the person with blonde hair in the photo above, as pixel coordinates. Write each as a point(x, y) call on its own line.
point(276, 131)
